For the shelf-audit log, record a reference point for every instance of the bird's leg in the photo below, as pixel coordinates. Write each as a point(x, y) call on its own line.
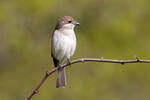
point(59, 66)
point(69, 62)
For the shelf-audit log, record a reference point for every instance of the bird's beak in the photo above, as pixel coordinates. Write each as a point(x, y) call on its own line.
point(76, 23)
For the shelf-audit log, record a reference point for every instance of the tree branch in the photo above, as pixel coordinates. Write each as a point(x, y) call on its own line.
point(48, 73)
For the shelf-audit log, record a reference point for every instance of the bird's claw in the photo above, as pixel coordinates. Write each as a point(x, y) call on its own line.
point(69, 62)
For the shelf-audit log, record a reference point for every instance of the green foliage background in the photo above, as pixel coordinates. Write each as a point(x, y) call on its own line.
point(114, 29)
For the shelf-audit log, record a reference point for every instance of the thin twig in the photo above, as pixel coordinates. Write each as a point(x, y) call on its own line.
point(48, 73)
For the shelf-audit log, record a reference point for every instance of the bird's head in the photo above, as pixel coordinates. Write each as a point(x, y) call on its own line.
point(66, 22)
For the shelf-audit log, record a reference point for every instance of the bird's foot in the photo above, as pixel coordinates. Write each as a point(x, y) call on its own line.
point(69, 62)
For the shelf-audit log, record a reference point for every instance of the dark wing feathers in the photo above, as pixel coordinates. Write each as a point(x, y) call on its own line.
point(56, 62)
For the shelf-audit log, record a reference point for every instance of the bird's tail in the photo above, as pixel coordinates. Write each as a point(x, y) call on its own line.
point(61, 78)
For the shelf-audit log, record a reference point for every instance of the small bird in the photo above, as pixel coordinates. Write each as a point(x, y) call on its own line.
point(63, 46)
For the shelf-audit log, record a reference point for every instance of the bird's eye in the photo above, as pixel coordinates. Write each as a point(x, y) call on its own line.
point(69, 21)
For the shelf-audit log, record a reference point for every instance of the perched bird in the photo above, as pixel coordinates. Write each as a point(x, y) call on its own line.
point(63, 46)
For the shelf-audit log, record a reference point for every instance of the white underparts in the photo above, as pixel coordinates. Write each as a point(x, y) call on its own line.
point(63, 43)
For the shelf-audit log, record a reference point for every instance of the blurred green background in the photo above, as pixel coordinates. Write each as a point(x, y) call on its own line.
point(114, 29)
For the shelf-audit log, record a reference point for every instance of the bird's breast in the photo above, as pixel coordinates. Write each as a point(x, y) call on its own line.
point(64, 44)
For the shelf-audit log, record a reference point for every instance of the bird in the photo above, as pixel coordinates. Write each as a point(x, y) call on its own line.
point(63, 46)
